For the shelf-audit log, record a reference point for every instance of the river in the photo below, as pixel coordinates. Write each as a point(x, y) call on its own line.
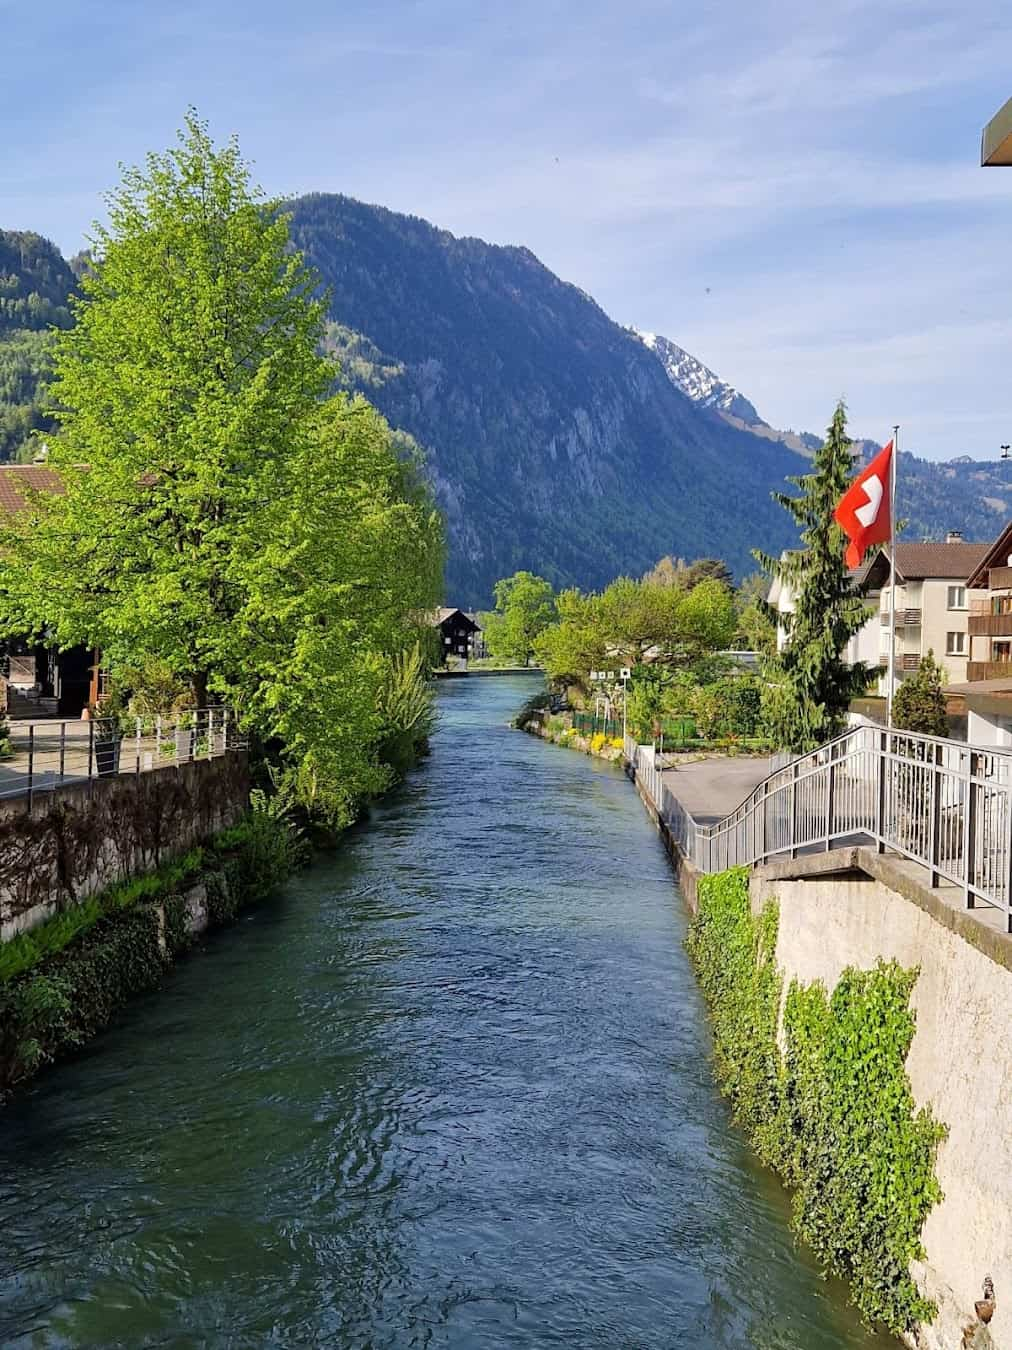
point(452, 1088)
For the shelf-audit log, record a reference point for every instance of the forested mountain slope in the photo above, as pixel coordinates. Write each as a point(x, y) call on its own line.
point(557, 440)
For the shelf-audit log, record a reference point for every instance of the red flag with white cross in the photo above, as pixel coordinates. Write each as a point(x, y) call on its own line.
point(865, 509)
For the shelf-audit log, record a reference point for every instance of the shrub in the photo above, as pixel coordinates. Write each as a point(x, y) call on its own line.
point(833, 1111)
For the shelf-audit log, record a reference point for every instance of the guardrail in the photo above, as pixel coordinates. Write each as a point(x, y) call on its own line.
point(47, 754)
point(940, 803)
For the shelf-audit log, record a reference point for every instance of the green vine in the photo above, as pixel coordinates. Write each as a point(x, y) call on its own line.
point(830, 1107)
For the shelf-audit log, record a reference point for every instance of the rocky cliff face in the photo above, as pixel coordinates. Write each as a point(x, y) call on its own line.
point(554, 437)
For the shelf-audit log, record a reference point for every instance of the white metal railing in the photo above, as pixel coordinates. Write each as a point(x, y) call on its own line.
point(48, 754)
point(941, 803)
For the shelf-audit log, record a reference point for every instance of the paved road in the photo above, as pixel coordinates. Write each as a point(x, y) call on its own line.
point(710, 789)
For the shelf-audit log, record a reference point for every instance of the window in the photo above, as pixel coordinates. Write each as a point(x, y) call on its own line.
point(957, 598)
point(955, 644)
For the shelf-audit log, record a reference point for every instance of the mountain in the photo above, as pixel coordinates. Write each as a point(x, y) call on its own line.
point(35, 287)
point(556, 440)
point(972, 496)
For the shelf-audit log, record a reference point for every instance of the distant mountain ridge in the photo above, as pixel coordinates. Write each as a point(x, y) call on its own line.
point(555, 439)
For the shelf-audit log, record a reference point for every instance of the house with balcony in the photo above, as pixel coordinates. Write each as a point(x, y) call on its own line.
point(933, 605)
point(987, 688)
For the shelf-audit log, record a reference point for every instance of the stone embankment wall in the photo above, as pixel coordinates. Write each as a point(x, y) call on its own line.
point(960, 1065)
point(74, 842)
point(853, 909)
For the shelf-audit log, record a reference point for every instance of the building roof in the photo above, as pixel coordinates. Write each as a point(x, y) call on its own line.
point(917, 562)
point(997, 555)
point(15, 478)
point(996, 139)
point(447, 612)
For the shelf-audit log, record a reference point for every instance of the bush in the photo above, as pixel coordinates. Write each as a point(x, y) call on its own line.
point(833, 1110)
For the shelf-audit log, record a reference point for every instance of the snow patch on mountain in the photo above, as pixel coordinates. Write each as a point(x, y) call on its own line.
point(697, 381)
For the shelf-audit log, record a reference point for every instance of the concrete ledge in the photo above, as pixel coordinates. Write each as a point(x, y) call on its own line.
point(982, 927)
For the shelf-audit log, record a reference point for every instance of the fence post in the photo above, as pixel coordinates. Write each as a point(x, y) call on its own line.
point(31, 763)
point(880, 809)
point(91, 754)
point(63, 750)
point(935, 841)
point(137, 745)
point(794, 809)
point(831, 780)
point(970, 829)
point(158, 739)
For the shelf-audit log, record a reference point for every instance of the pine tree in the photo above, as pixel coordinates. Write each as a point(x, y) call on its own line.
point(810, 687)
point(919, 703)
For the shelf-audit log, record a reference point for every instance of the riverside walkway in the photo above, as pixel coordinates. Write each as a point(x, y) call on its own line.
point(710, 789)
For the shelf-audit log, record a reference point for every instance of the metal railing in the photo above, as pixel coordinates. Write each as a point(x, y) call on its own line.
point(48, 754)
point(940, 803)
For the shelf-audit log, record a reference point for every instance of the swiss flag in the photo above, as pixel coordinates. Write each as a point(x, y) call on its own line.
point(865, 510)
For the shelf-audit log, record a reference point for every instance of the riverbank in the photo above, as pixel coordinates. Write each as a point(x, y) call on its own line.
point(62, 982)
point(449, 1085)
point(558, 729)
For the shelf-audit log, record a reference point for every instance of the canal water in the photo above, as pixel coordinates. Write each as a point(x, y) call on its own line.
point(451, 1089)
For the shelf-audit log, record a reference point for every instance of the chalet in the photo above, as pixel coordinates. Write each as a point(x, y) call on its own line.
point(37, 679)
point(458, 632)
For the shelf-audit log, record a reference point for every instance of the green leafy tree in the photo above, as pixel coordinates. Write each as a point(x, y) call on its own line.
point(219, 517)
point(525, 606)
point(919, 702)
point(810, 685)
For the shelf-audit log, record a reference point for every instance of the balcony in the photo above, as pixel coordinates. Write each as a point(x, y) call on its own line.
point(999, 578)
point(989, 670)
point(905, 618)
point(991, 617)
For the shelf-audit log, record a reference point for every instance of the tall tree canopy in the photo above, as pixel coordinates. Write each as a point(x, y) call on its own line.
point(219, 516)
point(810, 685)
point(524, 608)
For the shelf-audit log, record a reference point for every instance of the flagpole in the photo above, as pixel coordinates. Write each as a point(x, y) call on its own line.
point(892, 575)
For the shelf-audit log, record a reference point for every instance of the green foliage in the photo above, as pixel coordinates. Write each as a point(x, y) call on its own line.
point(61, 982)
point(919, 702)
point(406, 708)
point(35, 283)
point(863, 1156)
point(734, 955)
point(26, 366)
point(525, 606)
point(834, 1113)
point(810, 685)
point(230, 529)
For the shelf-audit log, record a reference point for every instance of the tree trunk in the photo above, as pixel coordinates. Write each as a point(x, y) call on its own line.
point(198, 688)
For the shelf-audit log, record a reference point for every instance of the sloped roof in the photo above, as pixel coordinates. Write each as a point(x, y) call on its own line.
point(996, 555)
point(15, 478)
point(916, 562)
point(447, 612)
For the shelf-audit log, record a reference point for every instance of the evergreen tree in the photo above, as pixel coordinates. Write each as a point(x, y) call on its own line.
point(810, 687)
point(919, 702)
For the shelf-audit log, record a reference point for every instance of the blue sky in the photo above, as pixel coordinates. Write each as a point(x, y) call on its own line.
point(789, 190)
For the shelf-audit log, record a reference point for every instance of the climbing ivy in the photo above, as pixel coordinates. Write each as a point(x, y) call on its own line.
point(830, 1105)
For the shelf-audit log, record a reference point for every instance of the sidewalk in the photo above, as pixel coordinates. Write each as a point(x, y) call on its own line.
point(710, 789)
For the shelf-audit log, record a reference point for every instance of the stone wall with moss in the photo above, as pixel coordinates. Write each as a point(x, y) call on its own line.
point(73, 842)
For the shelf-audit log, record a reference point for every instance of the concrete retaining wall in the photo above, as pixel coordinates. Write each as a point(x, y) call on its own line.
point(960, 1064)
point(75, 841)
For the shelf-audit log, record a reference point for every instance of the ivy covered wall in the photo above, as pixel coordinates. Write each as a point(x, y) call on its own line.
point(817, 1078)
